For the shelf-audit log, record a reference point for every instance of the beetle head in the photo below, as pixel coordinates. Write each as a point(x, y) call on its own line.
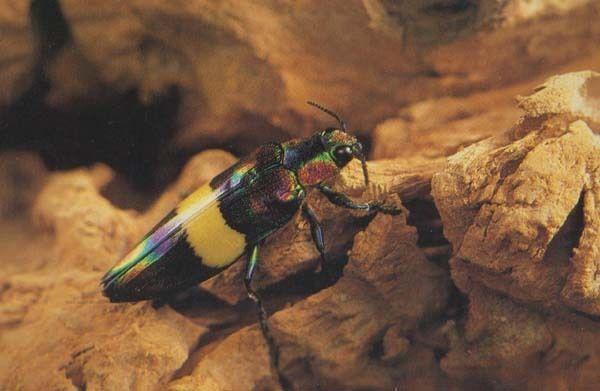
point(341, 145)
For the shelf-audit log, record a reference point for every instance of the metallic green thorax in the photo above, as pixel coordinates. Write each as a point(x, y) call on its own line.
point(275, 186)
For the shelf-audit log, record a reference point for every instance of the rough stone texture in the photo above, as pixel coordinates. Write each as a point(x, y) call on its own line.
point(56, 313)
point(351, 335)
point(245, 70)
point(507, 345)
point(441, 127)
point(505, 199)
point(17, 52)
point(519, 211)
point(22, 176)
point(576, 96)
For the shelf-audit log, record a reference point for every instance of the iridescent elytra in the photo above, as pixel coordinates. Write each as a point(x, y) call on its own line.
point(233, 214)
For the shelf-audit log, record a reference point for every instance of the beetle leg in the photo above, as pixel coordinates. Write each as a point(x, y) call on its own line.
point(341, 199)
point(253, 259)
point(250, 269)
point(316, 231)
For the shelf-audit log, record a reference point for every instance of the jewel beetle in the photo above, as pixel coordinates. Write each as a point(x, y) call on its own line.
point(233, 214)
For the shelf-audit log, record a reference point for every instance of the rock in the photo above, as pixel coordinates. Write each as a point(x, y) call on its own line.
point(394, 346)
point(58, 314)
point(506, 344)
point(503, 342)
point(576, 96)
point(89, 232)
point(519, 212)
point(240, 371)
point(504, 200)
point(22, 176)
point(339, 337)
point(17, 49)
point(441, 127)
point(437, 128)
point(516, 306)
point(407, 52)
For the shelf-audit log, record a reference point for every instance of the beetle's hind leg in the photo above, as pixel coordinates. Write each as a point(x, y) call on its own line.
point(253, 259)
point(341, 199)
point(316, 231)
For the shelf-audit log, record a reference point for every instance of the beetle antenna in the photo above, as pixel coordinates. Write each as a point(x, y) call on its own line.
point(362, 158)
point(331, 113)
point(363, 163)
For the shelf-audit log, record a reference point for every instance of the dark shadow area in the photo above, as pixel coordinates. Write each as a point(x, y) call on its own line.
point(50, 27)
point(122, 132)
point(424, 216)
point(119, 130)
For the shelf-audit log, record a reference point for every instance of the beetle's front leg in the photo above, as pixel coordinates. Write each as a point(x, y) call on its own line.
point(341, 199)
point(316, 231)
point(253, 259)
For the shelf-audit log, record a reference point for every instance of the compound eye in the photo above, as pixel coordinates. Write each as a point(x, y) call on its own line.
point(342, 155)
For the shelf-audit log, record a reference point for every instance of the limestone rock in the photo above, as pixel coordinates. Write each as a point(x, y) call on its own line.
point(245, 71)
point(22, 176)
point(337, 338)
point(519, 212)
point(516, 306)
point(17, 50)
point(576, 95)
point(506, 344)
point(487, 279)
point(441, 127)
point(58, 314)
point(504, 200)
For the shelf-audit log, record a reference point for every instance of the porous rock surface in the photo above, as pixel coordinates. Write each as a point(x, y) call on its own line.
point(58, 332)
point(520, 210)
point(286, 52)
point(18, 49)
point(328, 339)
point(243, 71)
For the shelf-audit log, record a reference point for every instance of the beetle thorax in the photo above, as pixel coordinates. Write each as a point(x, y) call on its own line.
point(308, 159)
point(317, 169)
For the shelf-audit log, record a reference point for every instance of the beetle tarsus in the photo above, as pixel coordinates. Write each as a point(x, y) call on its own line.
point(253, 257)
point(389, 210)
point(343, 200)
